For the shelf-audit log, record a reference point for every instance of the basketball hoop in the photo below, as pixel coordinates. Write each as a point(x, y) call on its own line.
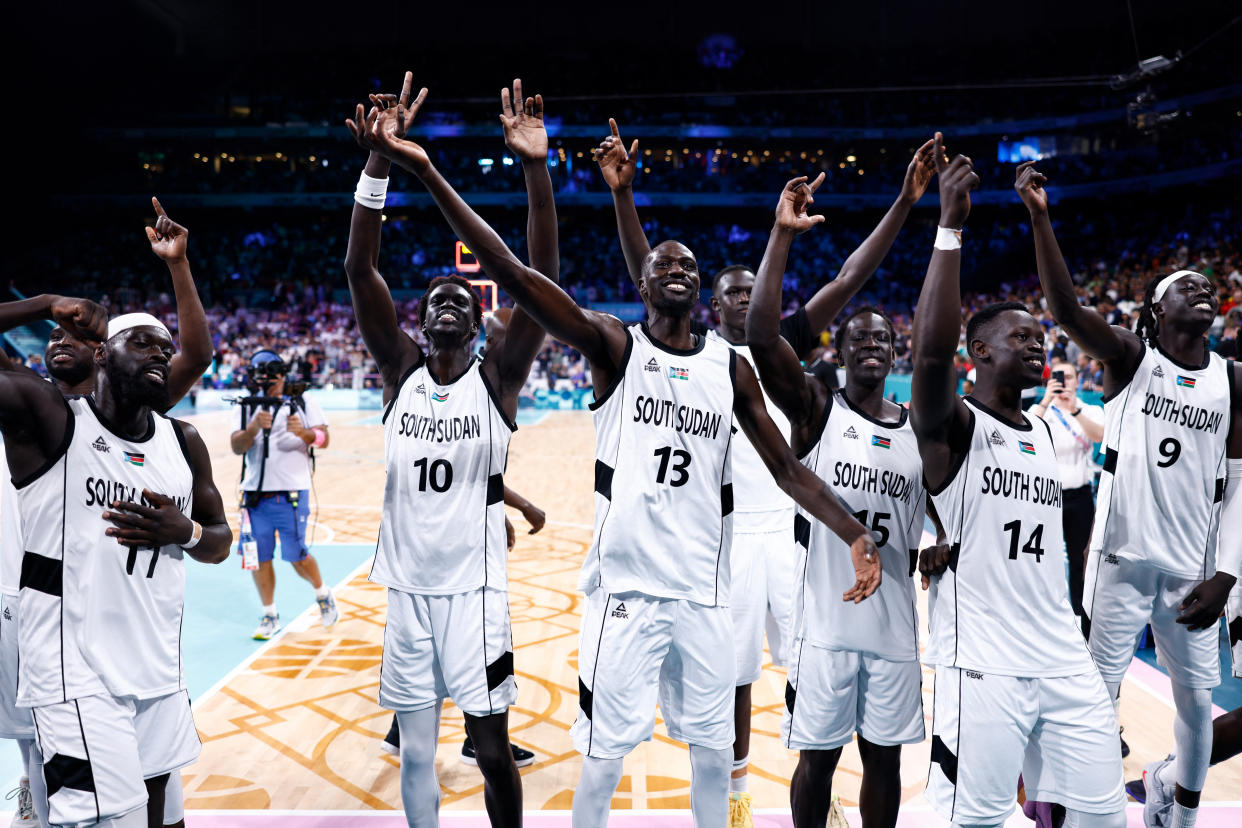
point(489, 290)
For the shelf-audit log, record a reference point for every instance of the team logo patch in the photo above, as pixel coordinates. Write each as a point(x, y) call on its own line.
point(100, 445)
point(1157, 371)
point(882, 442)
point(420, 390)
point(850, 434)
point(972, 674)
point(439, 396)
point(996, 439)
point(678, 373)
point(1185, 382)
point(620, 612)
point(134, 458)
point(1026, 448)
point(652, 366)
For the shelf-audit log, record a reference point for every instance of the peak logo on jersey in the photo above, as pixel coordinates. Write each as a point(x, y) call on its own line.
point(134, 458)
point(850, 434)
point(972, 674)
point(678, 373)
point(996, 439)
point(1185, 382)
point(420, 390)
point(620, 612)
point(100, 445)
point(882, 442)
point(652, 366)
point(440, 396)
point(1026, 448)
point(8, 616)
point(1111, 558)
point(1157, 371)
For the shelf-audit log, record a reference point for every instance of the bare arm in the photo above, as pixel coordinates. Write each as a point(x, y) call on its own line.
point(533, 514)
point(618, 168)
point(803, 485)
point(169, 241)
point(830, 299)
point(208, 505)
point(33, 418)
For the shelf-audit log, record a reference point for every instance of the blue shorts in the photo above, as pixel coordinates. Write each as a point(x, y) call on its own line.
point(277, 513)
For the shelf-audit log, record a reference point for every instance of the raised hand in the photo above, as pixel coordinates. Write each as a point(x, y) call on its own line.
point(617, 165)
point(919, 173)
point(82, 318)
point(156, 525)
point(525, 133)
point(383, 129)
point(867, 570)
point(791, 214)
point(957, 179)
point(168, 239)
point(1029, 182)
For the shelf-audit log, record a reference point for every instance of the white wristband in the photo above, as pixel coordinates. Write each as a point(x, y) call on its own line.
point(371, 192)
point(948, 239)
point(196, 535)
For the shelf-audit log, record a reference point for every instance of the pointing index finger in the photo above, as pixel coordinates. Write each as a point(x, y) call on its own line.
point(159, 211)
point(406, 84)
point(612, 124)
point(938, 151)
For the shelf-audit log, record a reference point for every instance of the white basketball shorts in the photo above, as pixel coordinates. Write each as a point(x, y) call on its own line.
point(635, 649)
point(448, 646)
point(1060, 733)
point(1121, 596)
point(761, 597)
point(1233, 621)
point(15, 722)
point(98, 750)
point(833, 694)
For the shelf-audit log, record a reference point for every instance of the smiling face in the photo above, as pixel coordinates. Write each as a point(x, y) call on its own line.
point(670, 282)
point(1011, 346)
point(731, 297)
point(1189, 304)
point(449, 314)
point(866, 349)
point(69, 360)
point(137, 363)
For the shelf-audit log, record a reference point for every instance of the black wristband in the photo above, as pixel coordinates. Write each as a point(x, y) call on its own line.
point(1076, 411)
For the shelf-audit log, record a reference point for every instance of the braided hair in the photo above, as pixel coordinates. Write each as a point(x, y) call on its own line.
point(1148, 326)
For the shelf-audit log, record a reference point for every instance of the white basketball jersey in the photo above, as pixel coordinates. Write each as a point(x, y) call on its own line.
point(663, 476)
point(1164, 468)
point(759, 505)
point(98, 616)
point(446, 445)
point(875, 469)
point(10, 531)
point(1003, 604)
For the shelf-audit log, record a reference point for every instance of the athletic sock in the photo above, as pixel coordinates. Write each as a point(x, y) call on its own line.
point(709, 785)
point(269, 609)
point(1183, 817)
point(740, 782)
point(323, 591)
point(1192, 733)
point(420, 790)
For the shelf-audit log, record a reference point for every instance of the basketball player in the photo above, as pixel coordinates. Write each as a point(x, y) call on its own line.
point(657, 573)
point(762, 557)
point(1173, 413)
point(1015, 688)
point(448, 419)
point(853, 668)
point(69, 357)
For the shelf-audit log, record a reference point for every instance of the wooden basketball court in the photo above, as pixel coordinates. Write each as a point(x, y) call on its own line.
point(298, 726)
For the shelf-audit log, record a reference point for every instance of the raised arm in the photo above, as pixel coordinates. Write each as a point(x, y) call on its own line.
point(775, 359)
point(169, 241)
point(618, 167)
point(1116, 347)
point(934, 405)
point(393, 349)
point(830, 299)
point(803, 485)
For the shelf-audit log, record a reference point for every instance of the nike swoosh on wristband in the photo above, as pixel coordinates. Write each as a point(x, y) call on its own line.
point(376, 195)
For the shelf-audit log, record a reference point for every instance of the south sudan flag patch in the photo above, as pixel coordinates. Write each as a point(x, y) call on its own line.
point(134, 458)
point(1185, 382)
point(439, 396)
point(1026, 448)
point(882, 442)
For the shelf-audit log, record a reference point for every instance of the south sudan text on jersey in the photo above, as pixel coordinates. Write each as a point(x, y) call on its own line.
point(875, 481)
point(684, 418)
point(1189, 416)
point(1023, 486)
point(100, 492)
point(436, 430)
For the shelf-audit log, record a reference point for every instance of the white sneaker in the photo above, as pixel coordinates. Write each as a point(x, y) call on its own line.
point(327, 610)
point(24, 816)
point(268, 627)
point(1158, 808)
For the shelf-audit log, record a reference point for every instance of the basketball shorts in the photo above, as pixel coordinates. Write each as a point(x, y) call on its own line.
point(15, 722)
point(276, 513)
point(761, 597)
point(98, 750)
point(833, 694)
point(635, 650)
point(1233, 621)
point(448, 646)
point(1121, 597)
point(1060, 733)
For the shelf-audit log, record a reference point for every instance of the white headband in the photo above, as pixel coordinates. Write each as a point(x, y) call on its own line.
point(126, 321)
point(1168, 280)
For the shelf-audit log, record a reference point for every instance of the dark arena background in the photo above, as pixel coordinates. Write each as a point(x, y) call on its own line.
point(232, 114)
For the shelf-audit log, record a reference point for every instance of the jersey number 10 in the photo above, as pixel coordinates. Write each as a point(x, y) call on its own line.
point(439, 476)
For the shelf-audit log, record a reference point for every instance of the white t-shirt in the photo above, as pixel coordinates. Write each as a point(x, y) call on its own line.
point(1074, 447)
point(288, 467)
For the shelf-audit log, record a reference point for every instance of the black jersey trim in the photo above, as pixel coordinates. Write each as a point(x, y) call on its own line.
point(396, 391)
point(54, 457)
point(185, 448)
point(42, 574)
point(698, 347)
point(103, 421)
point(1207, 357)
point(603, 479)
point(945, 758)
point(1110, 460)
point(956, 465)
point(791, 697)
point(491, 392)
point(802, 530)
point(495, 489)
point(901, 420)
point(733, 372)
point(619, 376)
point(70, 772)
point(499, 670)
point(817, 433)
point(1024, 426)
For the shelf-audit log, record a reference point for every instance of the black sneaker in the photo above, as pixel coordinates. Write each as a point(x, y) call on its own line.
point(1137, 790)
point(521, 756)
point(1125, 749)
point(392, 742)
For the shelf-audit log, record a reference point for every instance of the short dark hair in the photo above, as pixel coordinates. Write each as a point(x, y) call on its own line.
point(838, 335)
point(986, 315)
point(476, 303)
point(725, 271)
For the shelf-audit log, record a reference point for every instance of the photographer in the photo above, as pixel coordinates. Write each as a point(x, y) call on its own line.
point(276, 434)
